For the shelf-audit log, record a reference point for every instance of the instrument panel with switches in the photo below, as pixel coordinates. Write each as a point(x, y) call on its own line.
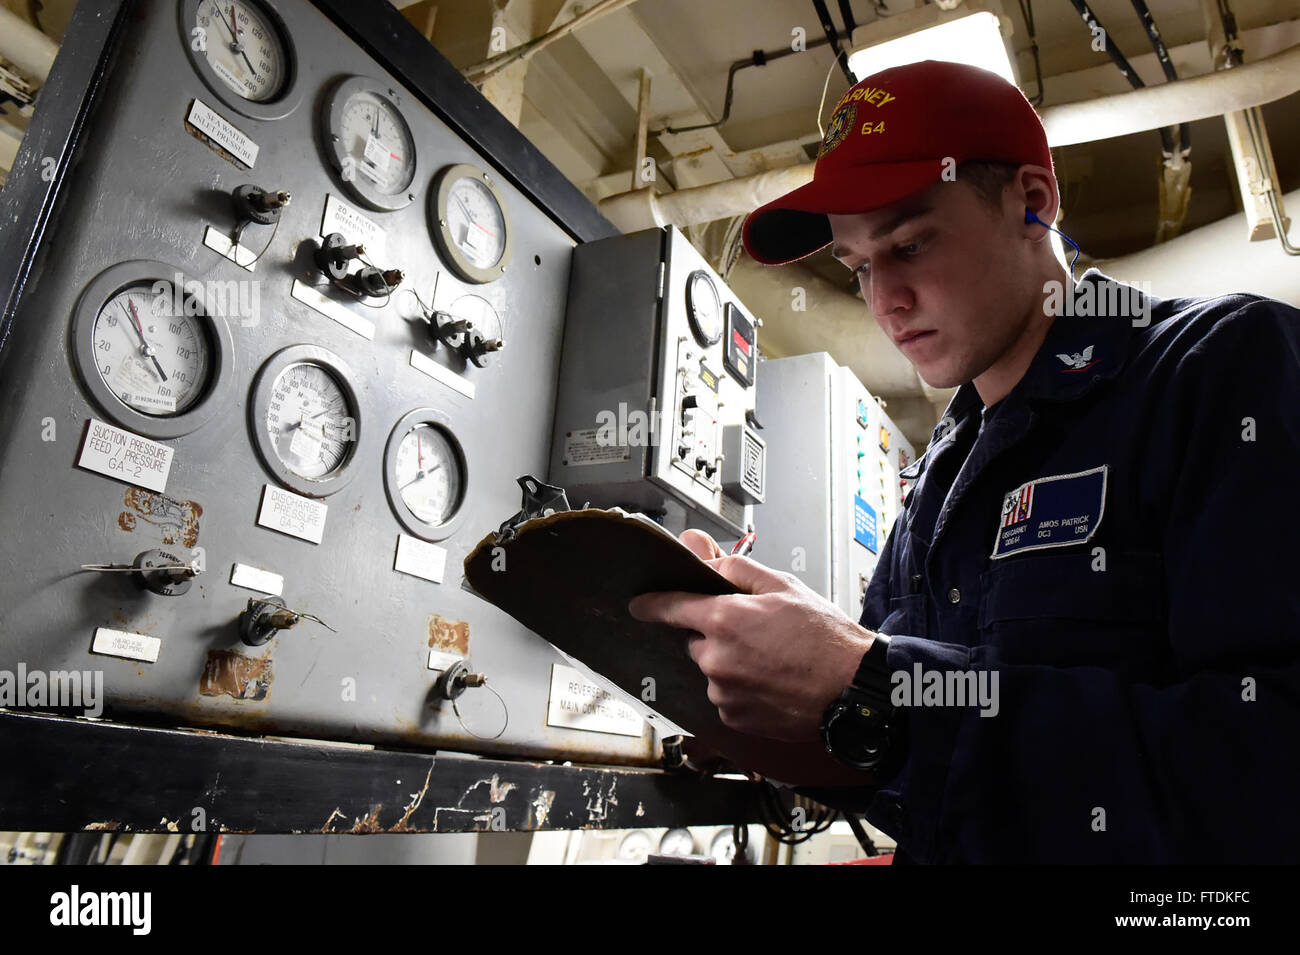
point(288, 345)
point(652, 415)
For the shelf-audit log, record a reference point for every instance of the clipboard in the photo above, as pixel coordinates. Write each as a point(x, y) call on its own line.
point(568, 576)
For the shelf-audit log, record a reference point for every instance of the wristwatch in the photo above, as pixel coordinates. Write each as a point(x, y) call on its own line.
point(858, 727)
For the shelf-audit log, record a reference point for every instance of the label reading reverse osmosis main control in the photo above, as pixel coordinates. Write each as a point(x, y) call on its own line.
point(577, 703)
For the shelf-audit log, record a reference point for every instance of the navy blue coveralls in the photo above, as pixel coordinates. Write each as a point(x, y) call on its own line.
point(1142, 612)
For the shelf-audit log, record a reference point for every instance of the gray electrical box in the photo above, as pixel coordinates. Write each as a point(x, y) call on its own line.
point(185, 394)
point(833, 491)
point(657, 387)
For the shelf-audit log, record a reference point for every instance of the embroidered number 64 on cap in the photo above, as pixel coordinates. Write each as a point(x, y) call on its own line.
point(1054, 511)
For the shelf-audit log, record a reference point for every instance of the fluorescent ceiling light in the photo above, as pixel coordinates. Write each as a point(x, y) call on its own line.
point(975, 39)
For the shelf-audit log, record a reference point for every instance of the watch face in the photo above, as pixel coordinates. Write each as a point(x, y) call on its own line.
point(856, 735)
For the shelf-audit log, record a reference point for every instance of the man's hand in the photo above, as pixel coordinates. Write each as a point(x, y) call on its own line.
point(775, 656)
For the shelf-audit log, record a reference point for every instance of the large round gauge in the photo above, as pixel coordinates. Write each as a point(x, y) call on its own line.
point(472, 230)
point(425, 474)
point(242, 51)
point(149, 351)
point(305, 419)
point(153, 361)
point(703, 308)
point(370, 143)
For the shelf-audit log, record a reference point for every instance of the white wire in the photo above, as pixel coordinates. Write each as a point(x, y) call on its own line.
point(825, 86)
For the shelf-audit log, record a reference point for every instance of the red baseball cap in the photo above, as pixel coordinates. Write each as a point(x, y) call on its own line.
point(888, 138)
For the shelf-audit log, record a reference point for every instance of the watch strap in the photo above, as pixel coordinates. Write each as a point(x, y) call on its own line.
point(873, 675)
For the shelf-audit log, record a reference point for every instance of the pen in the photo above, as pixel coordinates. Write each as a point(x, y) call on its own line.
point(744, 545)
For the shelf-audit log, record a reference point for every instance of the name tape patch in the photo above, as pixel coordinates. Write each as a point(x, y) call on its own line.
point(1054, 511)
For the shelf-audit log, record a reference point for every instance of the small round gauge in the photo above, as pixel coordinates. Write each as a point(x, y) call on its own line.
point(473, 231)
point(635, 846)
point(370, 143)
point(149, 350)
point(677, 842)
point(425, 474)
point(703, 308)
point(153, 357)
point(428, 474)
point(305, 419)
point(723, 848)
point(243, 48)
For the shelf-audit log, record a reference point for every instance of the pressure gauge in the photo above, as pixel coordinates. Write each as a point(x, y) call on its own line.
point(153, 361)
point(428, 474)
point(425, 474)
point(703, 308)
point(677, 842)
point(723, 848)
point(635, 846)
point(471, 229)
point(305, 419)
point(148, 350)
point(309, 420)
point(241, 49)
point(369, 142)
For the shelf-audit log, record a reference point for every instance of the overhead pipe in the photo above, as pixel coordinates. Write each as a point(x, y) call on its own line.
point(1198, 97)
point(480, 72)
point(25, 46)
point(1152, 107)
point(1178, 267)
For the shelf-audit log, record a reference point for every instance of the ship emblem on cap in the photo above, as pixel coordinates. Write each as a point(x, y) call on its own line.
point(841, 122)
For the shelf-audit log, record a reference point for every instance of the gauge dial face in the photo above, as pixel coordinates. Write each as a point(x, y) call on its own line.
point(635, 846)
point(243, 48)
point(723, 848)
point(476, 222)
point(677, 842)
point(704, 308)
point(429, 478)
point(153, 356)
point(378, 141)
point(309, 421)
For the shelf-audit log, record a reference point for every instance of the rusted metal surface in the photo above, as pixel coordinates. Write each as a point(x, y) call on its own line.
point(449, 635)
point(142, 778)
point(175, 522)
point(230, 673)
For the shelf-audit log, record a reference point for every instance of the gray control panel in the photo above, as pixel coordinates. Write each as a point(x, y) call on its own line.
point(656, 404)
point(835, 492)
point(288, 347)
